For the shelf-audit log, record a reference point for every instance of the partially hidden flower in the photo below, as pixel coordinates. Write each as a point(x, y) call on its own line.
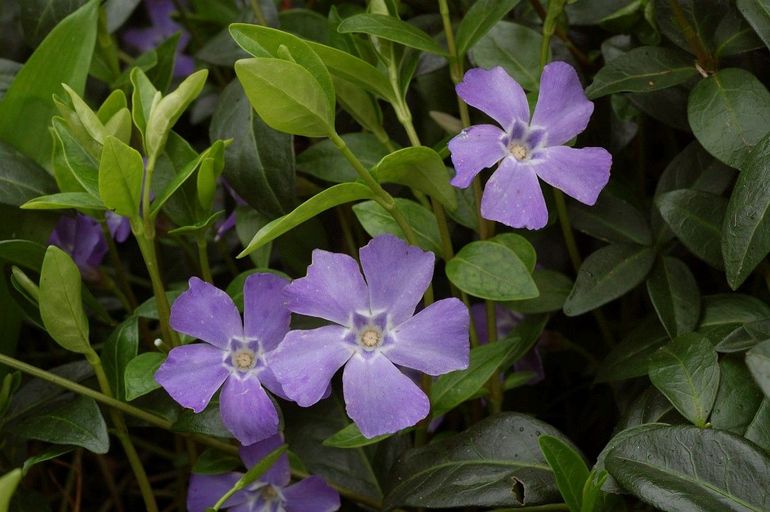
point(233, 356)
point(82, 238)
point(162, 26)
point(230, 222)
point(270, 493)
point(527, 148)
point(119, 226)
point(374, 329)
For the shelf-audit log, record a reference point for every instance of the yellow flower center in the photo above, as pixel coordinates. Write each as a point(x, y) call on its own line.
point(268, 493)
point(244, 359)
point(370, 338)
point(518, 150)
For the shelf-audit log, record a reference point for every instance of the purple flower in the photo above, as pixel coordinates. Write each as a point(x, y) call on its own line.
point(119, 226)
point(375, 330)
point(162, 27)
point(229, 223)
point(81, 237)
point(271, 493)
point(527, 149)
point(234, 353)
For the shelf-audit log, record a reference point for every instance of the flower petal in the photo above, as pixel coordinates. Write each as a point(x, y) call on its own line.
point(333, 288)
point(205, 490)
point(207, 313)
point(268, 380)
point(397, 275)
point(265, 316)
point(513, 197)
point(562, 107)
point(495, 93)
point(279, 473)
point(305, 362)
point(435, 340)
point(311, 495)
point(247, 411)
point(192, 374)
point(474, 149)
point(379, 398)
point(579, 173)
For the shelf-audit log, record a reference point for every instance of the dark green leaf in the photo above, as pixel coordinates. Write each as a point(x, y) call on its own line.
point(208, 422)
point(496, 462)
point(21, 179)
point(119, 349)
point(734, 35)
point(78, 422)
point(351, 437)
point(324, 161)
point(685, 468)
point(630, 357)
point(674, 293)
point(696, 219)
point(420, 168)
point(738, 398)
point(701, 16)
point(611, 219)
point(554, 288)
point(76, 170)
point(608, 274)
point(491, 271)
point(643, 69)
point(214, 462)
point(139, 374)
point(569, 469)
point(392, 29)
point(376, 221)
point(758, 361)
point(757, 13)
point(482, 15)
point(728, 112)
point(687, 372)
point(649, 407)
point(514, 47)
point(731, 309)
point(49, 454)
point(758, 430)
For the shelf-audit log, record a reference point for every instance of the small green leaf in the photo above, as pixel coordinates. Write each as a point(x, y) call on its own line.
point(514, 47)
point(568, 467)
point(607, 274)
point(143, 98)
point(49, 454)
point(61, 305)
point(481, 17)
point(351, 437)
point(376, 220)
point(758, 361)
point(79, 164)
point(491, 271)
point(520, 246)
point(643, 69)
point(261, 467)
point(420, 168)
point(687, 372)
point(8, 484)
point(121, 173)
point(119, 349)
point(728, 114)
point(88, 118)
point(696, 219)
point(63, 201)
point(674, 293)
point(554, 288)
point(391, 29)
point(329, 198)
point(139, 374)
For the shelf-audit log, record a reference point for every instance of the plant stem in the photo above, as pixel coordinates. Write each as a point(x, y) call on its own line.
point(147, 248)
point(258, 14)
point(203, 259)
point(120, 270)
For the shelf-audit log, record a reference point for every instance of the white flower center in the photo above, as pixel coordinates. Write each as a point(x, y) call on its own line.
point(244, 359)
point(370, 338)
point(518, 150)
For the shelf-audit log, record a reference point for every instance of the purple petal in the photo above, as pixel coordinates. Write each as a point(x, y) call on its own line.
point(513, 197)
point(119, 226)
point(379, 398)
point(435, 340)
point(142, 39)
point(205, 490)
point(397, 275)
point(311, 495)
point(562, 107)
point(279, 473)
point(191, 374)
point(505, 319)
point(474, 149)
point(268, 380)
point(207, 313)
point(305, 362)
point(579, 173)
point(496, 94)
point(184, 65)
point(82, 238)
point(247, 411)
point(265, 317)
point(333, 288)
point(225, 226)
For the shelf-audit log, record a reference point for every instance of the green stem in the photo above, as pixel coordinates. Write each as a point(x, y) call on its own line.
point(258, 14)
point(203, 259)
point(117, 264)
point(147, 248)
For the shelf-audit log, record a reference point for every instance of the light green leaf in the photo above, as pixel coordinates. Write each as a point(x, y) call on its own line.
point(351, 437)
point(63, 201)
point(139, 375)
point(376, 220)
point(420, 168)
point(8, 484)
point(391, 29)
point(121, 173)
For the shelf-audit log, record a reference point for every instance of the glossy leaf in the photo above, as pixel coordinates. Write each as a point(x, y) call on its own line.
point(479, 19)
point(514, 47)
point(569, 469)
point(674, 293)
point(139, 374)
point(391, 29)
point(611, 219)
point(119, 349)
point(351, 437)
point(420, 168)
point(696, 219)
point(630, 358)
point(376, 221)
point(520, 246)
point(738, 398)
point(121, 175)
point(758, 361)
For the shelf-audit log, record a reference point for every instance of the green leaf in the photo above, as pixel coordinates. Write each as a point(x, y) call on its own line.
point(734, 35)
point(49, 454)
point(757, 13)
point(391, 29)
point(121, 173)
point(746, 227)
point(696, 219)
point(143, 98)
point(61, 305)
point(514, 47)
point(21, 179)
point(79, 423)
point(611, 219)
point(674, 294)
point(63, 201)
point(687, 372)
point(78, 168)
point(607, 274)
point(554, 288)
point(738, 398)
point(732, 309)
point(496, 462)
point(261, 467)
point(63, 57)
point(491, 271)
point(324, 161)
point(481, 17)
point(728, 112)
point(361, 105)
point(702, 16)
point(351, 437)
point(214, 462)
point(8, 484)
point(286, 96)
point(207, 423)
point(630, 357)
point(175, 184)
point(643, 69)
point(119, 349)
point(758, 430)
point(376, 220)
point(329, 198)
point(87, 117)
point(568, 467)
point(520, 246)
point(420, 168)
point(684, 468)
point(139, 374)
point(758, 361)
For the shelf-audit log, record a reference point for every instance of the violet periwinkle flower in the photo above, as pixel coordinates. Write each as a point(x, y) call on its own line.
point(233, 355)
point(374, 330)
point(81, 237)
point(527, 149)
point(162, 27)
point(271, 493)
point(119, 226)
